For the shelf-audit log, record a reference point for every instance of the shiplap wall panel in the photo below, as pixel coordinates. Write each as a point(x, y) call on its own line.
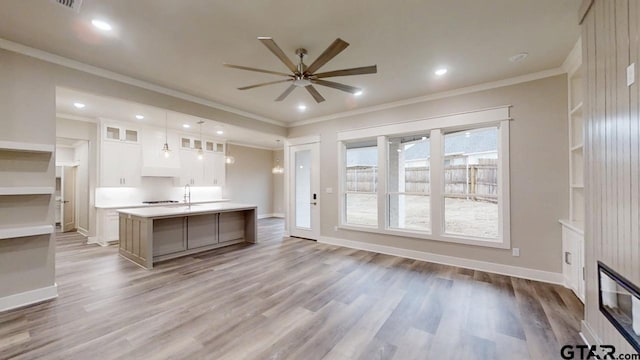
point(610, 35)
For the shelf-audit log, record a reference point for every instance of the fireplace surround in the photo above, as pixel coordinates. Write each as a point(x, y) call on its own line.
point(619, 301)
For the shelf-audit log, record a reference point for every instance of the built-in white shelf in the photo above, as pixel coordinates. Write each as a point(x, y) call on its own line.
point(27, 190)
point(577, 147)
point(577, 110)
point(22, 231)
point(27, 147)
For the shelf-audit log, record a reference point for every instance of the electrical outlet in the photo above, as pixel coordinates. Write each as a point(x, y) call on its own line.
point(335, 228)
point(516, 252)
point(631, 74)
point(329, 190)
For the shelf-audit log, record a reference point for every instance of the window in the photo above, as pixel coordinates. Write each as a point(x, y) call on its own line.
point(361, 176)
point(408, 182)
point(442, 179)
point(471, 183)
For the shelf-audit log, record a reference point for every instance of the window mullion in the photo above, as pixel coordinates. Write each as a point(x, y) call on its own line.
point(436, 165)
point(383, 207)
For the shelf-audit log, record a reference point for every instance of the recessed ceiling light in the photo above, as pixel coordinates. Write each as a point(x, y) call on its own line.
point(102, 25)
point(186, 126)
point(467, 134)
point(219, 132)
point(518, 57)
point(441, 71)
point(358, 93)
point(139, 117)
point(302, 107)
point(79, 105)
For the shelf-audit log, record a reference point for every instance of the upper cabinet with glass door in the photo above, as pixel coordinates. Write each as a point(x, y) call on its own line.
point(113, 132)
point(196, 143)
point(214, 146)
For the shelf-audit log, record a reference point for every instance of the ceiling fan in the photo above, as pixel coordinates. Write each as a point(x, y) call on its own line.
point(306, 76)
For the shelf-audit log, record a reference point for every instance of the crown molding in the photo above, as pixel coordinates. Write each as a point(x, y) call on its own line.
point(574, 59)
point(241, 144)
point(94, 70)
point(436, 96)
point(66, 116)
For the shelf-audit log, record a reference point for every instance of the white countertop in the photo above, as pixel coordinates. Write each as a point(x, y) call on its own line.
point(141, 205)
point(184, 210)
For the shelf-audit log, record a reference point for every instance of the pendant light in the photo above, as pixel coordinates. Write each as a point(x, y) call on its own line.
point(200, 151)
point(228, 159)
point(165, 147)
point(278, 169)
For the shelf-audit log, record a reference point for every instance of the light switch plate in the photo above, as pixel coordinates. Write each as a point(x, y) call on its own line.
point(516, 252)
point(631, 74)
point(329, 190)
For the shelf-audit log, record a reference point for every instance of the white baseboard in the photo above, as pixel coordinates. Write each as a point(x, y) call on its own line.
point(92, 240)
point(587, 334)
point(83, 232)
point(515, 271)
point(272, 215)
point(28, 297)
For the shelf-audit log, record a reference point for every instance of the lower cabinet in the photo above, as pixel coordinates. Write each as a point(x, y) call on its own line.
point(169, 236)
point(174, 235)
point(108, 226)
point(231, 225)
point(202, 230)
point(573, 260)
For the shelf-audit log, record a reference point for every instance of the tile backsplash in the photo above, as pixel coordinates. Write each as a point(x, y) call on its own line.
point(153, 189)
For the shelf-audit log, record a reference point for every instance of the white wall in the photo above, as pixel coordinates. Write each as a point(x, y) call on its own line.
point(88, 172)
point(539, 171)
point(81, 156)
point(278, 185)
point(250, 180)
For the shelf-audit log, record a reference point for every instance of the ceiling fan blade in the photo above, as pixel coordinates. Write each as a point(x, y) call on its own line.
point(334, 49)
point(286, 93)
point(275, 49)
point(256, 70)
point(335, 85)
point(316, 95)
point(263, 84)
point(346, 72)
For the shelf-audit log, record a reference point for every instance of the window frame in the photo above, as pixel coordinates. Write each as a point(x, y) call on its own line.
point(436, 127)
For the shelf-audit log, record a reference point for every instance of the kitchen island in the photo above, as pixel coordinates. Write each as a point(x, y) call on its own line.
point(152, 234)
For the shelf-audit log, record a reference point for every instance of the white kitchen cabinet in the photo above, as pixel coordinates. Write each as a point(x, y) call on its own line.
point(119, 132)
point(108, 227)
point(192, 169)
point(214, 146)
point(573, 258)
point(120, 165)
point(214, 169)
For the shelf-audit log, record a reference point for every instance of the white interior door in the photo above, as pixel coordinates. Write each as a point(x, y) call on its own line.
point(68, 198)
point(304, 191)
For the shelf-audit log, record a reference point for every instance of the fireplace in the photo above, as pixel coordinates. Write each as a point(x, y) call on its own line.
point(620, 303)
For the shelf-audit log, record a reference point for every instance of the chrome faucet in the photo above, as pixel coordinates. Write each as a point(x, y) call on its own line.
point(187, 194)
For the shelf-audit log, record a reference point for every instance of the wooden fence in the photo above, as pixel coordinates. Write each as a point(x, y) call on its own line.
point(476, 182)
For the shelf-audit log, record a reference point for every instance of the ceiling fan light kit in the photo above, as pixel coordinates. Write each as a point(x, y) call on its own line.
point(306, 76)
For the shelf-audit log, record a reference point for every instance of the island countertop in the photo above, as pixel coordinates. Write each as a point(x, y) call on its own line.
point(185, 210)
point(152, 234)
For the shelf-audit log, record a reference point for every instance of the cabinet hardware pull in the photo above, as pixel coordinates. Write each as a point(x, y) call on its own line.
point(567, 257)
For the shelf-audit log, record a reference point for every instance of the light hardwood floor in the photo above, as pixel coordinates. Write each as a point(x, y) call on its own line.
point(286, 298)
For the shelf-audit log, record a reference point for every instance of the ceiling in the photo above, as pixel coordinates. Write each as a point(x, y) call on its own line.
point(183, 44)
point(116, 109)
